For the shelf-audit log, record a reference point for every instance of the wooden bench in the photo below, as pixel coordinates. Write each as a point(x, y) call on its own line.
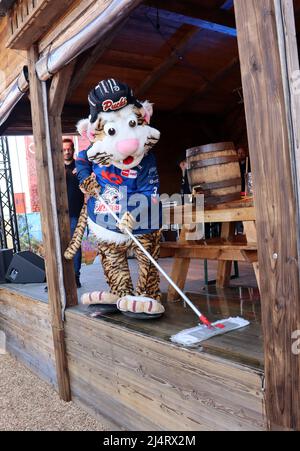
point(224, 251)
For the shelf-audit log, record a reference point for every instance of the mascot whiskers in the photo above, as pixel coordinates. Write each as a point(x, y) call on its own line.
point(119, 166)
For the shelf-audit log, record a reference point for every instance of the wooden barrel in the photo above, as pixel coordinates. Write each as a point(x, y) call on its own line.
point(214, 171)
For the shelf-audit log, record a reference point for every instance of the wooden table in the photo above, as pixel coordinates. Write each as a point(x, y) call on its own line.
point(226, 249)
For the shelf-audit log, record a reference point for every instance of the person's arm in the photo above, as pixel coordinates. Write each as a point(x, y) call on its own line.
point(83, 166)
point(87, 181)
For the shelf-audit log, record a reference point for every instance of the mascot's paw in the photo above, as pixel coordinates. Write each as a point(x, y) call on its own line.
point(99, 298)
point(91, 187)
point(127, 222)
point(140, 304)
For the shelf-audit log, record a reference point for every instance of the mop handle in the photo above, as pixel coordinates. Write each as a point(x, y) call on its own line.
point(202, 318)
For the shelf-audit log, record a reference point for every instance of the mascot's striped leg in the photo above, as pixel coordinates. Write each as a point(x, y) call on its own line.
point(116, 270)
point(149, 280)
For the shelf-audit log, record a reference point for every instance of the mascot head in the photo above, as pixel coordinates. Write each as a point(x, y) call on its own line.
point(118, 126)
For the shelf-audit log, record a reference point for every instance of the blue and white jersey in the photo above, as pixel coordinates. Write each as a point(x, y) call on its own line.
point(134, 190)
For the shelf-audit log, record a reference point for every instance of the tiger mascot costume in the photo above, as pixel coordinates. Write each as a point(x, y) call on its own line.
point(119, 166)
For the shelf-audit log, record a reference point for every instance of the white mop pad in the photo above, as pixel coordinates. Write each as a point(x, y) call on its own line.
point(192, 337)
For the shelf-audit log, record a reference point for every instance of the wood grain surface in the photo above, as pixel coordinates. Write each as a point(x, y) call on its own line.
point(271, 151)
point(51, 237)
point(144, 383)
point(26, 324)
point(131, 373)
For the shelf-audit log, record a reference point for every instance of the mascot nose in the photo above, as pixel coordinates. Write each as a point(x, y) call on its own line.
point(128, 146)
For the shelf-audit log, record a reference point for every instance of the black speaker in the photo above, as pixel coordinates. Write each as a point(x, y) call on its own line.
point(26, 267)
point(6, 256)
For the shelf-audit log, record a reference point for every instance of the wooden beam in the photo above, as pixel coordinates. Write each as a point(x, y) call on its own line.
point(59, 88)
point(273, 155)
point(205, 87)
point(57, 95)
point(228, 5)
point(207, 252)
point(168, 62)
point(184, 215)
point(285, 18)
point(86, 63)
point(180, 270)
point(49, 226)
point(291, 74)
point(224, 268)
point(214, 16)
point(170, 17)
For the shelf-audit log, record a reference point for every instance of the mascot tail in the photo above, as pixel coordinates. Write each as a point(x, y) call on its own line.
point(76, 241)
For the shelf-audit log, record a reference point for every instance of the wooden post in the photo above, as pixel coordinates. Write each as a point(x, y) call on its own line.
point(57, 95)
point(180, 270)
point(251, 234)
point(273, 156)
point(49, 224)
point(225, 268)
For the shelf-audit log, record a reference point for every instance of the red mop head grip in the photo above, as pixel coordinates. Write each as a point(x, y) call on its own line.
point(205, 321)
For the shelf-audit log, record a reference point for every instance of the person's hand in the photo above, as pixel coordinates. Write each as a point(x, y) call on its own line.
point(91, 187)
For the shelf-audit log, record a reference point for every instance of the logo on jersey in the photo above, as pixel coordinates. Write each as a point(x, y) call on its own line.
point(153, 176)
point(129, 174)
point(111, 196)
point(112, 178)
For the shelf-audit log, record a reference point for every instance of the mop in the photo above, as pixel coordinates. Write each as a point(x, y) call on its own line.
point(206, 330)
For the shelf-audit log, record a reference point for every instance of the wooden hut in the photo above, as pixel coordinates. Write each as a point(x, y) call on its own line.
point(196, 60)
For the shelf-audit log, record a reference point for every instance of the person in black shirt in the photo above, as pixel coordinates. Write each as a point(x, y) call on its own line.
point(185, 187)
point(244, 165)
point(75, 198)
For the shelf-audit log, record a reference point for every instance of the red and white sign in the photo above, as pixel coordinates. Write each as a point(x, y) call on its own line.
point(129, 174)
point(32, 175)
point(20, 201)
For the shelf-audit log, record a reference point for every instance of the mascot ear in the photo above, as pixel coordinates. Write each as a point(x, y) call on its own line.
point(84, 129)
point(147, 110)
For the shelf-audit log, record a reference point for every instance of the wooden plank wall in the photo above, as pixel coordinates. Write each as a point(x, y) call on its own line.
point(141, 383)
point(27, 327)
point(11, 61)
point(136, 382)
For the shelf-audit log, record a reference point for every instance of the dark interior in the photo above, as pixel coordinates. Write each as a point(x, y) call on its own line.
point(183, 57)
